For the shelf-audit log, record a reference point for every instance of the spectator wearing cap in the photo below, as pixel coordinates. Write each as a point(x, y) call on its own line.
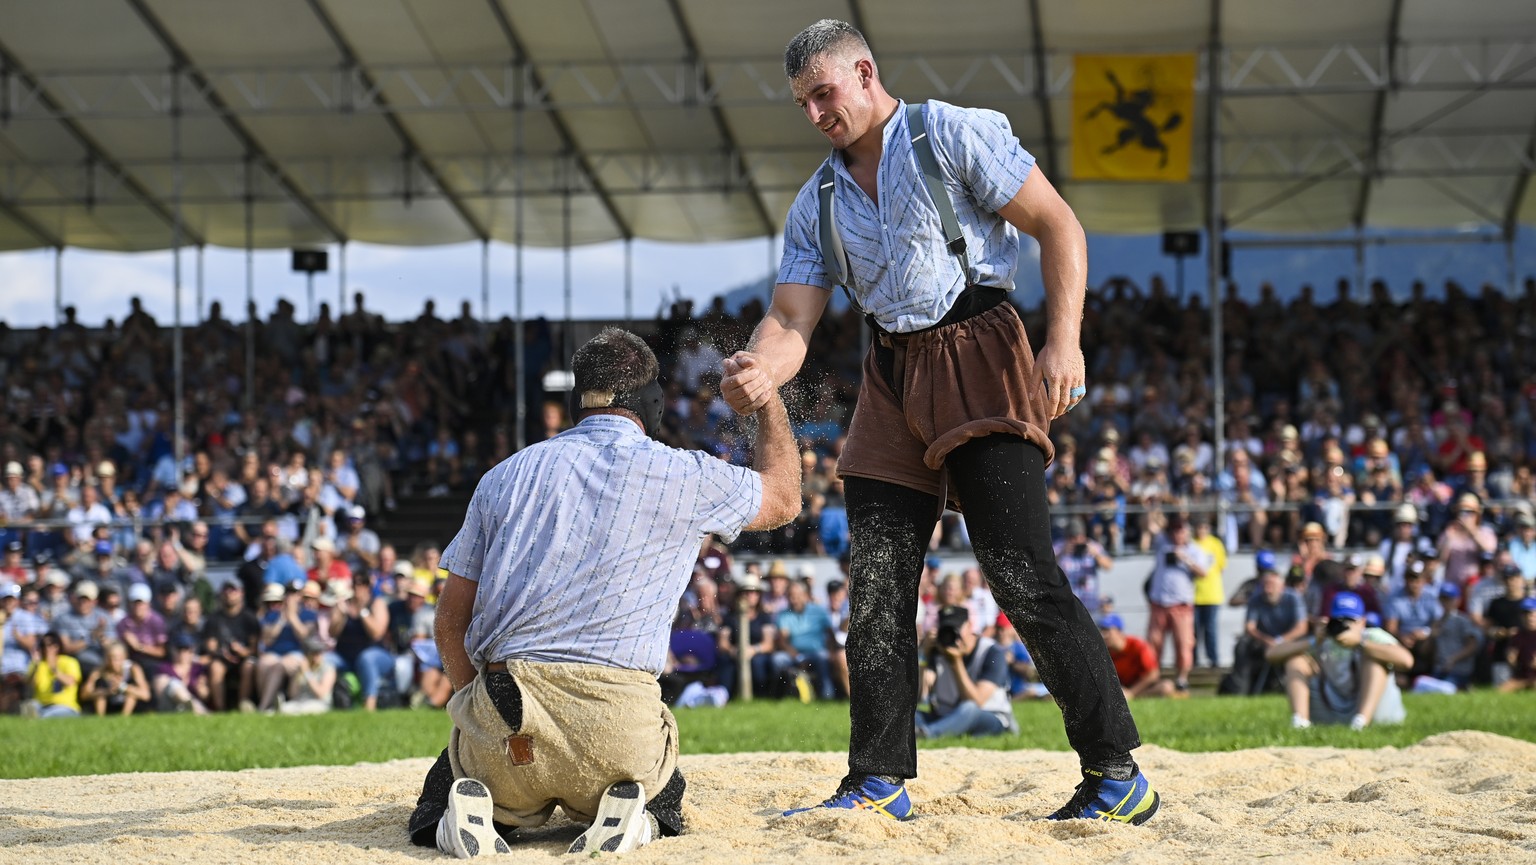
point(106, 486)
point(359, 544)
point(1522, 547)
point(13, 570)
point(410, 618)
point(229, 637)
point(18, 502)
point(327, 568)
point(311, 686)
point(56, 502)
point(1352, 579)
point(84, 629)
point(181, 684)
point(53, 594)
point(1275, 615)
point(1465, 539)
point(143, 630)
point(1378, 484)
point(1456, 640)
point(1412, 612)
point(54, 679)
point(758, 647)
point(1520, 652)
point(1082, 559)
point(1136, 664)
point(1501, 618)
point(1403, 542)
point(968, 695)
point(285, 626)
point(1343, 676)
point(18, 644)
point(1179, 561)
point(359, 626)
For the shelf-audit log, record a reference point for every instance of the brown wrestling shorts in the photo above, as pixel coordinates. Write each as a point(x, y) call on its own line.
point(957, 382)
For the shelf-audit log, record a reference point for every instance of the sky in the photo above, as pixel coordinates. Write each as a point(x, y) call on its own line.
point(397, 280)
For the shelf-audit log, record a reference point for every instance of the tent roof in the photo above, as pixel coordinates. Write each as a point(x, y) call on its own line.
point(397, 121)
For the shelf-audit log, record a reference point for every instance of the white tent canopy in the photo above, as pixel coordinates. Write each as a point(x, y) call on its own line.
point(290, 122)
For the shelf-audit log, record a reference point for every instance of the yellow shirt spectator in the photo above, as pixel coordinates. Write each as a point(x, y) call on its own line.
point(43, 678)
point(1209, 589)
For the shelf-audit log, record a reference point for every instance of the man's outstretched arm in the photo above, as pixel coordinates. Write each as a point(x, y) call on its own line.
point(777, 348)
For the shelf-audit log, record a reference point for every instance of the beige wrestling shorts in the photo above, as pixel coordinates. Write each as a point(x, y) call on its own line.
point(584, 727)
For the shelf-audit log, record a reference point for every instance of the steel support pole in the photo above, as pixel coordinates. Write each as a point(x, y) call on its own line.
point(567, 337)
point(341, 282)
point(58, 286)
point(250, 298)
point(200, 308)
point(179, 399)
point(520, 403)
point(629, 282)
point(485, 281)
point(1214, 233)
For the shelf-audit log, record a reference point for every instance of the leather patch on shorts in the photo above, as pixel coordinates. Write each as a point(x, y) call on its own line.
point(520, 750)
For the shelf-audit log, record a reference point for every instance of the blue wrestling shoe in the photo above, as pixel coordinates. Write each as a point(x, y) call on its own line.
point(882, 797)
point(1101, 798)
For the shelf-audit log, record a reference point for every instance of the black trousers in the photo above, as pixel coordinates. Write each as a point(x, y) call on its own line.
point(1000, 482)
point(666, 806)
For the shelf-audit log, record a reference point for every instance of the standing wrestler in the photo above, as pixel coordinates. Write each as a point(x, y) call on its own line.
point(554, 622)
point(953, 405)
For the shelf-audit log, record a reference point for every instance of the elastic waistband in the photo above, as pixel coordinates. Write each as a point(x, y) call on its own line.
point(972, 302)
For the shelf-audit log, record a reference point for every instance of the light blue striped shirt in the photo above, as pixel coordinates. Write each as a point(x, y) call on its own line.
point(582, 544)
point(902, 270)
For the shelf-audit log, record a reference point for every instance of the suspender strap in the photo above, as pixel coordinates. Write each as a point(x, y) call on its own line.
point(833, 257)
point(928, 165)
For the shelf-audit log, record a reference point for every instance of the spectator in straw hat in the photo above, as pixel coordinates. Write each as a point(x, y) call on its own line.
point(84, 629)
point(1398, 547)
point(285, 625)
point(1522, 546)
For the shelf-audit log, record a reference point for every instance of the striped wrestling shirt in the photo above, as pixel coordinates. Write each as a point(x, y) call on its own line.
point(902, 270)
point(582, 544)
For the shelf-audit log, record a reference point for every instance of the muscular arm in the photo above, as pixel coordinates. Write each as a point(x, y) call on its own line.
point(455, 606)
point(778, 346)
point(1040, 212)
point(775, 460)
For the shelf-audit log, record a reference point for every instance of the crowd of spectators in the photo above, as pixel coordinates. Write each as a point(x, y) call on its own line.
point(1337, 414)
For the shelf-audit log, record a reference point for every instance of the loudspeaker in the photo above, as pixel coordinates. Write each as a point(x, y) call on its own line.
point(310, 260)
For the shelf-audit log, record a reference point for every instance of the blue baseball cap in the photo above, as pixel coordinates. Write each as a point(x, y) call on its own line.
point(1450, 590)
point(935, 562)
point(1529, 605)
point(1347, 605)
point(60, 469)
point(1372, 620)
point(103, 548)
point(1264, 560)
point(1111, 621)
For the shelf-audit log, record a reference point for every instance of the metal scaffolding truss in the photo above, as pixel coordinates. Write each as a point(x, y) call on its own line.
point(499, 86)
point(127, 123)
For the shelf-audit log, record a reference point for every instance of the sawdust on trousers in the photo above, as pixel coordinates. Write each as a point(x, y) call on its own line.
point(1454, 798)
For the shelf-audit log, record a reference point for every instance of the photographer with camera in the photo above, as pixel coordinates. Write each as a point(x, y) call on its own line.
point(1171, 595)
point(1345, 675)
point(1082, 559)
point(969, 693)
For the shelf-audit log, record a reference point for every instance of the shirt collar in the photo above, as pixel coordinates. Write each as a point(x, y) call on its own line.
point(611, 422)
point(897, 124)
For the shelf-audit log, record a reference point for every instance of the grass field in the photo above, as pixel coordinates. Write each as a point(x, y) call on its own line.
point(165, 743)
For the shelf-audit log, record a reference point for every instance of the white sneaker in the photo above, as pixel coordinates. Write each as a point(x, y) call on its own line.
point(622, 823)
point(1300, 723)
point(466, 830)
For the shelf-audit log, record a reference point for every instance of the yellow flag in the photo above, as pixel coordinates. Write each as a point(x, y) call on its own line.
point(1132, 116)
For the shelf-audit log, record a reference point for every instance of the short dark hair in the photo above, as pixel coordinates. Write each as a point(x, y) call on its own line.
point(614, 362)
point(826, 35)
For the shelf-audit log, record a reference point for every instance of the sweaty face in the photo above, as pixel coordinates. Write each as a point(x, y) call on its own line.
point(833, 95)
